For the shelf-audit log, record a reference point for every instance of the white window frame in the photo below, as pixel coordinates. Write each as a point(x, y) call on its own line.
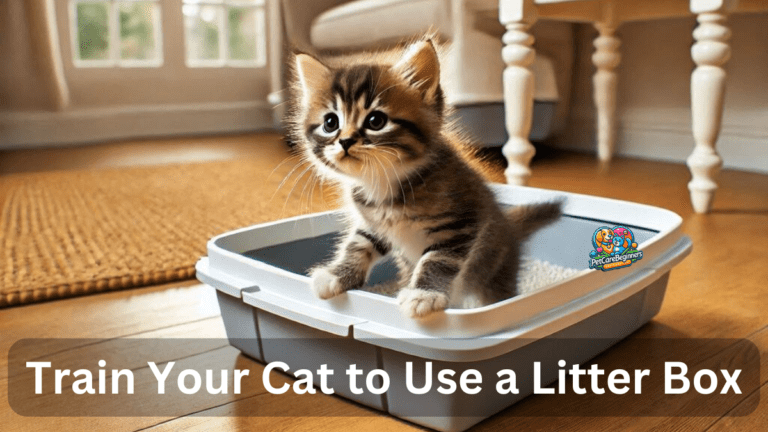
point(113, 26)
point(260, 58)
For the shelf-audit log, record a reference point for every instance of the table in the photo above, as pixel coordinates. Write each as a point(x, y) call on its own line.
point(710, 52)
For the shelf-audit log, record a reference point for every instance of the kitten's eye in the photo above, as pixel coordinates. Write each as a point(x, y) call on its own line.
point(331, 123)
point(376, 120)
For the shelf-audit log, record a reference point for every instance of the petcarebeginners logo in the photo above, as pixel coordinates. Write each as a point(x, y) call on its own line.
point(613, 248)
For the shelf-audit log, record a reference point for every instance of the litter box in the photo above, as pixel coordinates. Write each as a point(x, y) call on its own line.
point(259, 274)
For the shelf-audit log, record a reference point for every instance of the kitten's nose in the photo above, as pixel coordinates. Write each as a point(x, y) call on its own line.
point(346, 143)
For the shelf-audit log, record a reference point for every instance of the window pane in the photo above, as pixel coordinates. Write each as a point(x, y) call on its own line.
point(93, 31)
point(242, 33)
point(137, 33)
point(202, 23)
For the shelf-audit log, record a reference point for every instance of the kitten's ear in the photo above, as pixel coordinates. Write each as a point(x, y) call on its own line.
point(312, 74)
point(421, 67)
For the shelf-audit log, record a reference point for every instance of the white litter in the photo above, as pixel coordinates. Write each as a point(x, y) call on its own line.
point(534, 274)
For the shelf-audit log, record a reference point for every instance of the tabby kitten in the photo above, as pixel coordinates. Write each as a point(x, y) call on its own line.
point(379, 130)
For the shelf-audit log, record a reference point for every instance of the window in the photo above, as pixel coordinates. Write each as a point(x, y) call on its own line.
point(224, 33)
point(123, 33)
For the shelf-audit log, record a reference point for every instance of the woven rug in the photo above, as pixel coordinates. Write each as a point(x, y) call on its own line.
point(78, 232)
point(69, 233)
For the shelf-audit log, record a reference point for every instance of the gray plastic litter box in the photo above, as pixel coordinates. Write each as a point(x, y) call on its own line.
point(264, 295)
point(485, 122)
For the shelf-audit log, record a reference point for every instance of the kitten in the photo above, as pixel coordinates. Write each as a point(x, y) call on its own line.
point(379, 130)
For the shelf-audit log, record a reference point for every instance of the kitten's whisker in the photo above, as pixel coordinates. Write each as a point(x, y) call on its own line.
point(388, 151)
point(321, 181)
point(315, 180)
point(369, 164)
point(287, 198)
point(373, 196)
point(390, 87)
point(376, 178)
point(304, 207)
point(389, 183)
point(393, 148)
point(413, 194)
point(397, 154)
point(301, 197)
point(416, 171)
point(282, 163)
point(376, 87)
point(312, 193)
point(300, 162)
point(322, 192)
point(290, 192)
point(281, 104)
point(391, 153)
point(399, 182)
point(288, 176)
point(368, 169)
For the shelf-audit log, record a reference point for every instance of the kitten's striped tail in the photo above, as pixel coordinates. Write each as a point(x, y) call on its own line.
point(527, 219)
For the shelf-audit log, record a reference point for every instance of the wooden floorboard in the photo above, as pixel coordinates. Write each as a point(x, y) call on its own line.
point(756, 421)
point(135, 153)
point(719, 291)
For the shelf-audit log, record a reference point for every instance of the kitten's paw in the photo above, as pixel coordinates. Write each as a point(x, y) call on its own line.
point(417, 302)
point(325, 284)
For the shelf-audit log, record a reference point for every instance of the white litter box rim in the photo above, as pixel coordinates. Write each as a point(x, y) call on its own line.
point(365, 315)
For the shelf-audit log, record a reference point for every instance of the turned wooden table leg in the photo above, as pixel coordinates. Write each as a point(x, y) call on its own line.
point(606, 58)
point(518, 54)
point(710, 52)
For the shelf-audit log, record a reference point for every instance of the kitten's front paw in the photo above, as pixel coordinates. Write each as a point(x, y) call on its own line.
point(417, 302)
point(325, 284)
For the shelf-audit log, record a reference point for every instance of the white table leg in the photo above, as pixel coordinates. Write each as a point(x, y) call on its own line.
point(710, 52)
point(518, 54)
point(606, 58)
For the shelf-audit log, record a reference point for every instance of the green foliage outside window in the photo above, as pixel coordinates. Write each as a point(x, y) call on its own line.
point(137, 41)
point(241, 34)
point(92, 29)
point(136, 22)
point(211, 38)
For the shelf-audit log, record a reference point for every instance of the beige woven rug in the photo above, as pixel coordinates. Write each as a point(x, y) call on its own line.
point(78, 232)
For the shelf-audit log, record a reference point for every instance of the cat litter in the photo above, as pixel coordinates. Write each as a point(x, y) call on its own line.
point(264, 295)
point(534, 274)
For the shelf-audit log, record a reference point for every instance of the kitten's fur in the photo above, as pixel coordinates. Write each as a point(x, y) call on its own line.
point(407, 189)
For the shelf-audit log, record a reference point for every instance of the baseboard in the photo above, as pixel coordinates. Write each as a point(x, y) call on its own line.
point(665, 134)
point(92, 125)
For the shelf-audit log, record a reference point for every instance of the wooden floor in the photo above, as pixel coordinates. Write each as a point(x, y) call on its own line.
point(134, 153)
point(719, 291)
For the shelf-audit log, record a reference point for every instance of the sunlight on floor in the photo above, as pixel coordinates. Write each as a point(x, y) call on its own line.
point(135, 153)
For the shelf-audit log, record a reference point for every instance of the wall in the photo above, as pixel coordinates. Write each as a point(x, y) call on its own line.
point(21, 87)
point(115, 103)
point(654, 93)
